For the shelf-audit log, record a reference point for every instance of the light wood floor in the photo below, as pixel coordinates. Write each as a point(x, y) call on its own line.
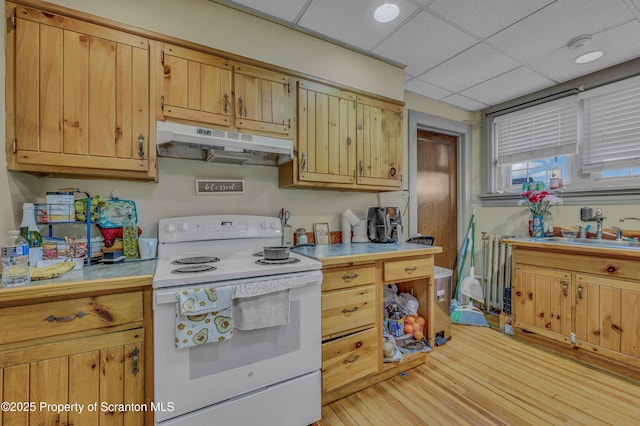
point(482, 377)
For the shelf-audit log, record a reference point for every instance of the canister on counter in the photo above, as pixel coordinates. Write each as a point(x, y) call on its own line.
point(301, 236)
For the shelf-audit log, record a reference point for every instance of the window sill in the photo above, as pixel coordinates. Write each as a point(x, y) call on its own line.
point(571, 198)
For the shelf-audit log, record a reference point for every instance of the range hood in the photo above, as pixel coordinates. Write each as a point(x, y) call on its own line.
point(219, 146)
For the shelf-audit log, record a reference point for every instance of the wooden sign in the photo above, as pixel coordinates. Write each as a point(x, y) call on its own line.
point(209, 187)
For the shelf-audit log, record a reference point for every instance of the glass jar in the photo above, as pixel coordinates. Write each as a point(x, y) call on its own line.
point(301, 236)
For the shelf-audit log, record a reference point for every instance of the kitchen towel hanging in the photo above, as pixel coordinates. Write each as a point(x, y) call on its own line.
point(203, 315)
point(261, 304)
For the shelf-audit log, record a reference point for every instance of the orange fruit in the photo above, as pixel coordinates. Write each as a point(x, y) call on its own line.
point(417, 327)
point(420, 320)
point(408, 329)
point(418, 335)
point(410, 319)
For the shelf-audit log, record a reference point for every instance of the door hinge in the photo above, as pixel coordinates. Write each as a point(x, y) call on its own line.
point(162, 57)
point(288, 87)
point(14, 145)
point(162, 102)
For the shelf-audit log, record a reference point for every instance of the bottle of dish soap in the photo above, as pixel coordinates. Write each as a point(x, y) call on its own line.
point(130, 237)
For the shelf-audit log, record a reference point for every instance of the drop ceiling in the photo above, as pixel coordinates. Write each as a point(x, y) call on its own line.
point(471, 54)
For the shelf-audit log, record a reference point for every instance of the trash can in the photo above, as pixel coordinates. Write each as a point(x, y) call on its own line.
point(442, 285)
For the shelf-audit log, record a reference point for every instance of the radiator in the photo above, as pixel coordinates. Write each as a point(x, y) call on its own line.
point(496, 271)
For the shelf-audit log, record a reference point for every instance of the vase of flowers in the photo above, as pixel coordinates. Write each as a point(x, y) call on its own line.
point(539, 204)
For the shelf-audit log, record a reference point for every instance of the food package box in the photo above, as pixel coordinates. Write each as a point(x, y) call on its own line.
point(51, 213)
point(59, 197)
point(116, 213)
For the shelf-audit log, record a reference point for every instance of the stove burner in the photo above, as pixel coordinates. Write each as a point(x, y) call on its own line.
point(193, 268)
point(195, 260)
point(258, 254)
point(278, 262)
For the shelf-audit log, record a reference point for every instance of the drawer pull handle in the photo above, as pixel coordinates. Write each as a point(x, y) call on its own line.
point(580, 289)
point(617, 328)
point(135, 369)
point(410, 270)
point(352, 360)
point(349, 311)
point(52, 318)
point(350, 277)
point(611, 269)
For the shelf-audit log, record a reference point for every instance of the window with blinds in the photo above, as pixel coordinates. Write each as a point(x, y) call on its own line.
point(545, 130)
point(611, 126)
point(593, 138)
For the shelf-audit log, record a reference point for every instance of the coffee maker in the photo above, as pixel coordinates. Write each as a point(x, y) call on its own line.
point(384, 224)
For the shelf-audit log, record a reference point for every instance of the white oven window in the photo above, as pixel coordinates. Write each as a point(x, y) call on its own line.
point(246, 347)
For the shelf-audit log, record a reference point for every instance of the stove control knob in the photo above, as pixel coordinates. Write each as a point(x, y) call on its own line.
point(274, 225)
point(170, 227)
point(263, 225)
point(183, 227)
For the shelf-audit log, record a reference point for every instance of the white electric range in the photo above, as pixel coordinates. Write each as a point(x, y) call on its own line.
point(266, 376)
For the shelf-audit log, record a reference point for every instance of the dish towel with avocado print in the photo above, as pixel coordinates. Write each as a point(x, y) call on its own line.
point(203, 315)
point(261, 304)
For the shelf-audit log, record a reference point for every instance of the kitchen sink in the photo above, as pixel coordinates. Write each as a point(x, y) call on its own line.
point(588, 242)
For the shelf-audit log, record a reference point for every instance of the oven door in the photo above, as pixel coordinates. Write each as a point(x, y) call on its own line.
point(190, 379)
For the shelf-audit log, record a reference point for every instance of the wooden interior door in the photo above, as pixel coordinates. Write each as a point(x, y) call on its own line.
point(437, 194)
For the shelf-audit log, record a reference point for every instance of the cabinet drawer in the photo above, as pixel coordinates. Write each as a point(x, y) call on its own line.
point(345, 310)
point(398, 270)
point(29, 322)
point(584, 263)
point(352, 276)
point(348, 359)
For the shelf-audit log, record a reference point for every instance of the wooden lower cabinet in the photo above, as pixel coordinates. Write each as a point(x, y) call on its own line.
point(92, 369)
point(352, 315)
point(582, 305)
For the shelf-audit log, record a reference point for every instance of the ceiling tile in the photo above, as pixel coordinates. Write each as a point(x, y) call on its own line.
point(424, 42)
point(619, 44)
point(352, 21)
point(283, 9)
point(507, 86)
point(425, 89)
point(464, 103)
point(486, 17)
point(557, 24)
point(454, 74)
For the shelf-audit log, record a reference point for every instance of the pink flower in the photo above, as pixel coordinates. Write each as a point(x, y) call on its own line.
point(538, 202)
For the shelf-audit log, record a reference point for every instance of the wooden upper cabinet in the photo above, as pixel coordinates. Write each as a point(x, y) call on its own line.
point(264, 100)
point(379, 143)
point(77, 98)
point(194, 86)
point(326, 148)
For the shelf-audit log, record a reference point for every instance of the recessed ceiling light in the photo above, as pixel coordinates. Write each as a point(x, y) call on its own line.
point(589, 57)
point(386, 13)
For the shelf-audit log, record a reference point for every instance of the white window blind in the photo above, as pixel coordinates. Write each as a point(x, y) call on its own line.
point(611, 129)
point(545, 130)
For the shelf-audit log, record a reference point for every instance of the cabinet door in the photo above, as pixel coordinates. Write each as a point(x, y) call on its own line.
point(379, 143)
point(607, 313)
point(265, 100)
point(102, 369)
point(81, 95)
point(194, 86)
point(326, 127)
point(542, 301)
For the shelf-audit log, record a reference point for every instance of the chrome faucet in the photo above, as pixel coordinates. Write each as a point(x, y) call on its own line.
point(618, 233)
point(586, 215)
point(622, 219)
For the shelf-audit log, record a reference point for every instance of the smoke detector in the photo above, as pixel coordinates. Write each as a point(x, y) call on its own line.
point(579, 42)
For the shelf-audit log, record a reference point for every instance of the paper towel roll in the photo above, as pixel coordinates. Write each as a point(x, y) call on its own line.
point(348, 219)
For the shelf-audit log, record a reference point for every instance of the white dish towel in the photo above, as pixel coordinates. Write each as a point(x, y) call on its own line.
point(203, 315)
point(261, 304)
